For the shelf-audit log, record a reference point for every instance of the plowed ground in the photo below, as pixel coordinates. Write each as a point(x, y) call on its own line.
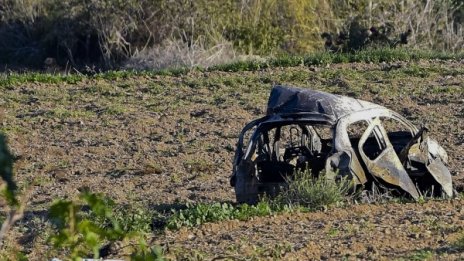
point(157, 142)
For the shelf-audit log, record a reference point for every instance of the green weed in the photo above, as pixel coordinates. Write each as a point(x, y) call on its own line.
point(198, 214)
point(314, 193)
point(421, 255)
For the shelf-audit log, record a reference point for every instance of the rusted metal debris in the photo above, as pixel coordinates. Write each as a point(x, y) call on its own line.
point(327, 133)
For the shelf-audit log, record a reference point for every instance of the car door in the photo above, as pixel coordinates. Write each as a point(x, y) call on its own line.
point(381, 159)
point(430, 155)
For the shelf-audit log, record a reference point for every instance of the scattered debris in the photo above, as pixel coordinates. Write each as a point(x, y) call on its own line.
point(340, 137)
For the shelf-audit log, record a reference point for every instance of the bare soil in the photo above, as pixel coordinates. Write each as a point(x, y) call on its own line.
point(162, 141)
point(366, 232)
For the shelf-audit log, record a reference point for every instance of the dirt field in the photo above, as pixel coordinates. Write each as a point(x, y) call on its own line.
point(157, 142)
point(373, 232)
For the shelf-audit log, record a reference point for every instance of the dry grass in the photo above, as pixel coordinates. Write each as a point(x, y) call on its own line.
point(176, 53)
point(160, 33)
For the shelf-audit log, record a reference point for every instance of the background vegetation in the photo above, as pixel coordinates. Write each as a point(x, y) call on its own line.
point(162, 33)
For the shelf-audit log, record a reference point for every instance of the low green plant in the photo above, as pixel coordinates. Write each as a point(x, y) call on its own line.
point(134, 218)
point(146, 253)
point(198, 214)
point(81, 234)
point(459, 243)
point(421, 255)
point(314, 193)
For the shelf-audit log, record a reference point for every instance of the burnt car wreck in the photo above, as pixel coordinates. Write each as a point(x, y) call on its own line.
point(362, 141)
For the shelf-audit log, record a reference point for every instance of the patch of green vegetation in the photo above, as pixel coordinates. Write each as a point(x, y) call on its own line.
point(82, 234)
point(12, 129)
point(314, 59)
point(115, 109)
point(11, 79)
point(314, 193)
point(421, 255)
point(416, 71)
point(459, 243)
point(64, 113)
point(198, 214)
point(322, 58)
point(333, 232)
point(304, 193)
point(129, 218)
point(199, 166)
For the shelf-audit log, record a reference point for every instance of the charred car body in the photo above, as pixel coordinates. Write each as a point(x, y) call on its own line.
point(340, 137)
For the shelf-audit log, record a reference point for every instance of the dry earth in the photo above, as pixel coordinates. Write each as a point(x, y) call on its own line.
point(372, 232)
point(157, 142)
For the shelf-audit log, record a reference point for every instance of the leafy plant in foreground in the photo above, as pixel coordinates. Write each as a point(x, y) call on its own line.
point(8, 189)
point(83, 234)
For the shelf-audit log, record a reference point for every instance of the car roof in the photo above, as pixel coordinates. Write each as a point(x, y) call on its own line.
point(286, 100)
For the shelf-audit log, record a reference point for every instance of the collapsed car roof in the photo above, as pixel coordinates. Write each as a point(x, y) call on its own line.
point(285, 100)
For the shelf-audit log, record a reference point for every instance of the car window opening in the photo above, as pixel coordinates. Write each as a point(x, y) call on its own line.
point(282, 150)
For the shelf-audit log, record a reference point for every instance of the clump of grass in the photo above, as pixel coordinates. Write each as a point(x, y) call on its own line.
point(199, 166)
point(314, 193)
